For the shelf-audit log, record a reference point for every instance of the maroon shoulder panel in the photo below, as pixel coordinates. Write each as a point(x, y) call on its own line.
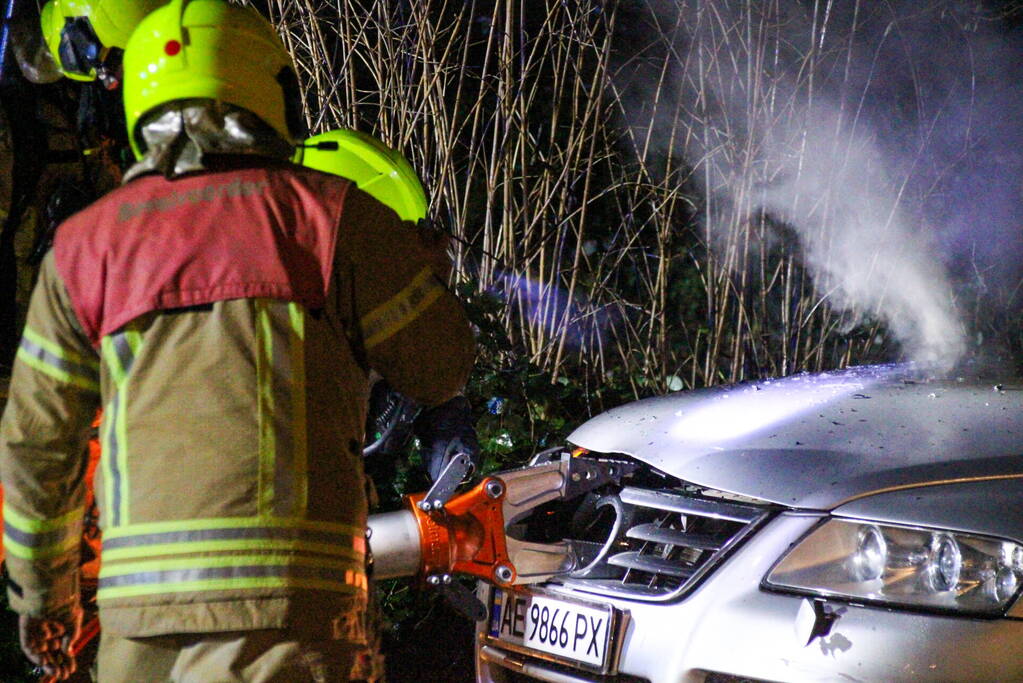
point(156, 244)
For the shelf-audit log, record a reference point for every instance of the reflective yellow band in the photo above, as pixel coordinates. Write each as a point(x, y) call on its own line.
point(61, 370)
point(299, 445)
point(269, 559)
point(111, 474)
point(114, 363)
point(119, 351)
point(228, 572)
point(58, 351)
point(37, 539)
point(229, 523)
point(238, 583)
point(114, 458)
point(233, 545)
point(121, 429)
point(232, 535)
point(265, 401)
point(36, 526)
point(389, 318)
point(134, 338)
point(41, 552)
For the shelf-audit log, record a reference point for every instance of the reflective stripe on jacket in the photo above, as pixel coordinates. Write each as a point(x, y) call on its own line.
point(228, 334)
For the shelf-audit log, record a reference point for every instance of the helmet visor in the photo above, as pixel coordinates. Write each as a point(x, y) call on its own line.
point(79, 51)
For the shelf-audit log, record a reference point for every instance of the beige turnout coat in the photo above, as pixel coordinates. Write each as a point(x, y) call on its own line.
point(226, 322)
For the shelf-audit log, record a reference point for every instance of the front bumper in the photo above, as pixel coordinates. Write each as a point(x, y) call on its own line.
point(729, 626)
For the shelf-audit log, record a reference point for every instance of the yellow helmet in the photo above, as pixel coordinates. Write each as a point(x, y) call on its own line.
point(87, 37)
point(212, 50)
point(378, 170)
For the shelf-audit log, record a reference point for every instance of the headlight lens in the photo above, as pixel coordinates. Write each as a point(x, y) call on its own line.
point(945, 563)
point(902, 566)
point(871, 556)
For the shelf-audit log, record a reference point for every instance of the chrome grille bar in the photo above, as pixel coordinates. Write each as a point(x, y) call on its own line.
point(657, 534)
point(613, 587)
point(674, 502)
point(651, 564)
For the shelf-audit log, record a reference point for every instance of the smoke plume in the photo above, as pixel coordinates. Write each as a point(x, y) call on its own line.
point(884, 135)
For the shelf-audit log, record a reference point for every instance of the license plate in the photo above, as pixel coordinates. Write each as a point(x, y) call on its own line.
point(560, 628)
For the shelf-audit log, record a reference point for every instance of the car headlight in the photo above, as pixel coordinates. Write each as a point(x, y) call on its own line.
point(902, 566)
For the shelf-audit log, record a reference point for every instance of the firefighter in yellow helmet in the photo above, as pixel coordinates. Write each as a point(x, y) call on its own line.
point(226, 308)
point(66, 141)
point(387, 176)
point(445, 430)
point(86, 38)
point(70, 144)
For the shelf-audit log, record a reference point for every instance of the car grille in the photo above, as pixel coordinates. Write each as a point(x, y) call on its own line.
point(662, 542)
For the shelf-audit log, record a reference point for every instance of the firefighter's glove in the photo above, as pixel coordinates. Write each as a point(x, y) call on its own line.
point(46, 641)
point(444, 431)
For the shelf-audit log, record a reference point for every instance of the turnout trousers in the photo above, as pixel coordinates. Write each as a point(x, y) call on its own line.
point(258, 656)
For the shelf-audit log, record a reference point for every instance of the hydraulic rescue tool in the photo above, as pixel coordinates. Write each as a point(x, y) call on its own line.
point(440, 534)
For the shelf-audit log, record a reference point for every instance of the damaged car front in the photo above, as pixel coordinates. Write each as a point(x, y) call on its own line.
point(856, 525)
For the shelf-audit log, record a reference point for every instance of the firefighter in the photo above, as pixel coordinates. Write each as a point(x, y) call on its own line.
point(66, 141)
point(86, 38)
point(386, 175)
point(444, 430)
point(225, 307)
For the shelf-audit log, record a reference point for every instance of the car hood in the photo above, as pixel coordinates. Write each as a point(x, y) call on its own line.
point(818, 441)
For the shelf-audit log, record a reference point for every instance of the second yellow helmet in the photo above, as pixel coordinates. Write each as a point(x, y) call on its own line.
point(87, 37)
point(377, 169)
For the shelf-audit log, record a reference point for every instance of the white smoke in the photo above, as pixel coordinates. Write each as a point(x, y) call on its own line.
point(867, 251)
point(798, 109)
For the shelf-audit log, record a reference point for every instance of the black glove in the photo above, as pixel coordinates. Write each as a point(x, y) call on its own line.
point(444, 431)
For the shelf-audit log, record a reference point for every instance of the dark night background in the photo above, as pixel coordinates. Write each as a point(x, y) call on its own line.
point(613, 234)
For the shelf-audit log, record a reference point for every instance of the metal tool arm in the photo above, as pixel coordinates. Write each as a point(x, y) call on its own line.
point(468, 534)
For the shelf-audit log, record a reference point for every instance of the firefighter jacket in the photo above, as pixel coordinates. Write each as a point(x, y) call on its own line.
point(226, 322)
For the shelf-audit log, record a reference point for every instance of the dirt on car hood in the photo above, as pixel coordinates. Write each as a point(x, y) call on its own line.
point(819, 441)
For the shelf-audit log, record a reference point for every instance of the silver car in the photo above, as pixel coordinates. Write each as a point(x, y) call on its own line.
point(859, 525)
